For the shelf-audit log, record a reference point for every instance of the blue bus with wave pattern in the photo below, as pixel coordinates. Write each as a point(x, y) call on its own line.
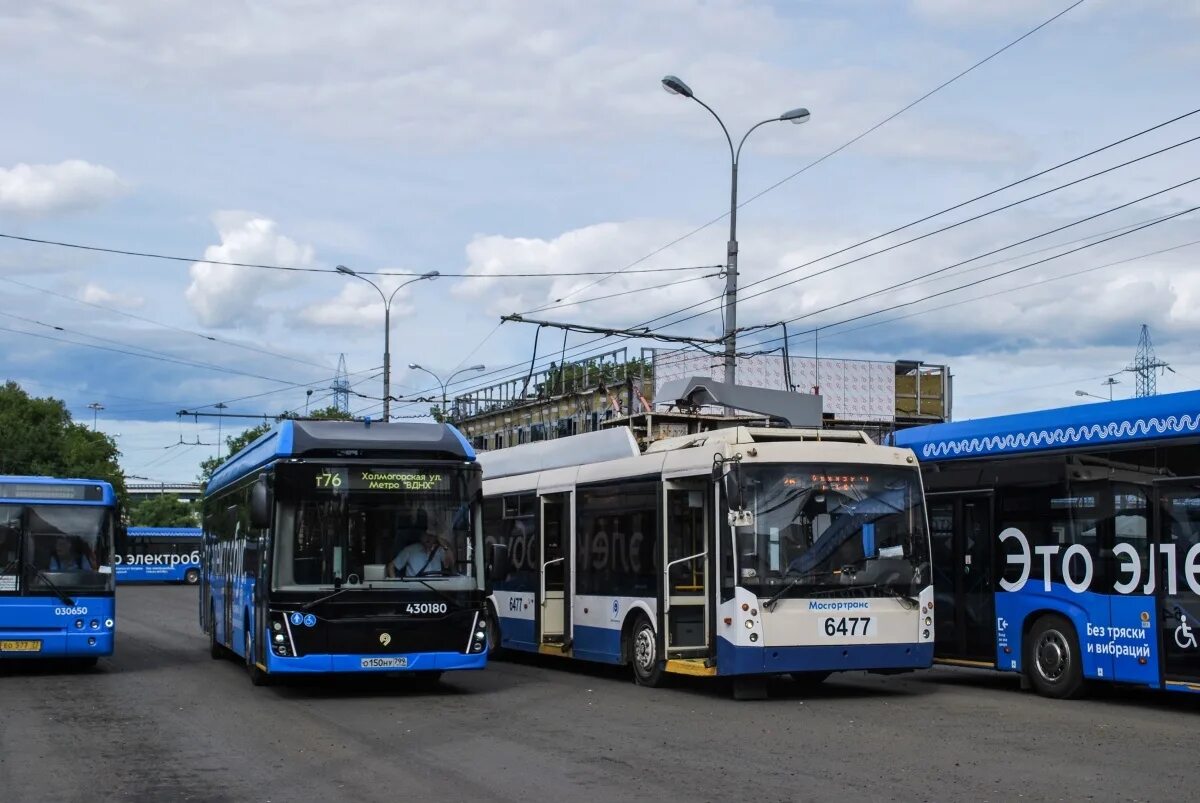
point(160, 555)
point(1066, 542)
point(57, 539)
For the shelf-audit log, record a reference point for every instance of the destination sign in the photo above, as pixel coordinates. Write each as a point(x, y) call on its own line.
point(403, 480)
point(74, 492)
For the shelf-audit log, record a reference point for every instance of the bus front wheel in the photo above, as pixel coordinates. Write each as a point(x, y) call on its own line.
point(643, 654)
point(494, 651)
point(257, 676)
point(1052, 659)
point(215, 650)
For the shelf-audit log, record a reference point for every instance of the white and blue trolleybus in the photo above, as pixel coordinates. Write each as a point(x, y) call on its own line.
point(738, 552)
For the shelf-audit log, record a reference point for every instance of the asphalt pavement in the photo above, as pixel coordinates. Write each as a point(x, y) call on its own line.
point(162, 721)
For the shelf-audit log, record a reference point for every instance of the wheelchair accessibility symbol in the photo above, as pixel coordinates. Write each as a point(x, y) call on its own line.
point(1184, 637)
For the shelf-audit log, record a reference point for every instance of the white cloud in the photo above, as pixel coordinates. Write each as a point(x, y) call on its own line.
point(443, 76)
point(93, 293)
point(43, 189)
point(226, 296)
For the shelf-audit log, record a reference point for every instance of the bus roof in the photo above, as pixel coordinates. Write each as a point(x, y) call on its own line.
point(56, 490)
point(180, 532)
point(1172, 416)
point(289, 439)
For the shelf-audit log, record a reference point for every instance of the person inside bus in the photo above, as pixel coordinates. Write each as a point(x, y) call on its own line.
point(428, 556)
point(67, 559)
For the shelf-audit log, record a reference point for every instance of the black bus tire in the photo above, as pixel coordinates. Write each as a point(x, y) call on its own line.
point(1052, 660)
point(495, 651)
point(191, 576)
point(215, 650)
point(642, 650)
point(257, 676)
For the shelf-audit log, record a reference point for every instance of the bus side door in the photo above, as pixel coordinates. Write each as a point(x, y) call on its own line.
point(1178, 507)
point(686, 612)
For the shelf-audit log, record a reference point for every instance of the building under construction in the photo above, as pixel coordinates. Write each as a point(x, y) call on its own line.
point(616, 389)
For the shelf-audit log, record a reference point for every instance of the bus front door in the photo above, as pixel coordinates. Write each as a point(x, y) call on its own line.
point(964, 603)
point(686, 618)
point(554, 530)
point(1179, 611)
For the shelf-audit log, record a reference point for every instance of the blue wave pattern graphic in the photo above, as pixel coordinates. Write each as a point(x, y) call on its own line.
point(1065, 436)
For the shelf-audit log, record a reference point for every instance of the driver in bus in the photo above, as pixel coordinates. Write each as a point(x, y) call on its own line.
point(66, 559)
point(428, 556)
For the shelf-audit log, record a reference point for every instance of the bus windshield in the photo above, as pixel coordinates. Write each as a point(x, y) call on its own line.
point(64, 548)
point(832, 528)
point(380, 527)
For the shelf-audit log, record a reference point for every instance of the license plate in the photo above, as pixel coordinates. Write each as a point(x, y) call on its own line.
point(20, 646)
point(385, 663)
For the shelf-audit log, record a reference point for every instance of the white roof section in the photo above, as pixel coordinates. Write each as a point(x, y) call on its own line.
point(576, 450)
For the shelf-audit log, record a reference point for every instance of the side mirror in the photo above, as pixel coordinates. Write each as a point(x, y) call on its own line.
point(500, 563)
point(260, 504)
point(120, 539)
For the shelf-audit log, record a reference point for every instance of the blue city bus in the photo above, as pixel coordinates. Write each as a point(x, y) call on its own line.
point(309, 551)
point(160, 555)
point(1066, 542)
point(57, 539)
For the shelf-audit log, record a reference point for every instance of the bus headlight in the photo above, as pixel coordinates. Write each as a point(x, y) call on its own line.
point(95, 624)
point(278, 638)
point(79, 624)
point(278, 626)
point(108, 623)
point(925, 634)
point(749, 624)
point(928, 621)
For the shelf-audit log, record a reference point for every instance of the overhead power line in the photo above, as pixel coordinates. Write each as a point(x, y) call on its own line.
point(845, 144)
point(298, 269)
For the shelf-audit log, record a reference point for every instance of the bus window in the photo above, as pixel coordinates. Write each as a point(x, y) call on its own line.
point(618, 536)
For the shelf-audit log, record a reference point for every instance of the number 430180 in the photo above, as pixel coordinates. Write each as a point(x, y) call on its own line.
point(848, 626)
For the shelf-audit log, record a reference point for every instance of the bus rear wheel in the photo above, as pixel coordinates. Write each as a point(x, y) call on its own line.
point(1052, 660)
point(643, 654)
point(191, 577)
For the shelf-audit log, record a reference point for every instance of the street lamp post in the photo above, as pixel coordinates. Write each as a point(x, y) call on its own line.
point(414, 367)
point(677, 87)
point(387, 330)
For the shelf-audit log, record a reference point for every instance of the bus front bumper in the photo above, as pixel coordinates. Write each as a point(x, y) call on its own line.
point(737, 660)
point(397, 662)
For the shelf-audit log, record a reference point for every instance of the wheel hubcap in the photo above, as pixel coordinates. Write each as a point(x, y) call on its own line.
point(643, 649)
point(1053, 656)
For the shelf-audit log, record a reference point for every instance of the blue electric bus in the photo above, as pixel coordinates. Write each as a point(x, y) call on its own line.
point(1066, 542)
point(340, 546)
point(56, 568)
point(160, 555)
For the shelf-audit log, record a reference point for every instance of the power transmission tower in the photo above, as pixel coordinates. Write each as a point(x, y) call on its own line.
point(1145, 365)
point(341, 386)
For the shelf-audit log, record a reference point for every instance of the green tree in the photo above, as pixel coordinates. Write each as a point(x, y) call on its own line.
point(235, 443)
point(38, 437)
point(164, 510)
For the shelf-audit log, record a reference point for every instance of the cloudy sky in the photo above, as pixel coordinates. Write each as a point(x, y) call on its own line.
point(534, 138)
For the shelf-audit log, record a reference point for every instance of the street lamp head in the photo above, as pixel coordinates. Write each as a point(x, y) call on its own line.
point(479, 367)
point(433, 274)
point(676, 86)
point(412, 366)
point(345, 270)
point(1081, 393)
point(796, 116)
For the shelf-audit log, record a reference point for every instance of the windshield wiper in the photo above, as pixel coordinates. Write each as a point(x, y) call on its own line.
point(449, 599)
point(770, 604)
point(309, 605)
point(57, 592)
